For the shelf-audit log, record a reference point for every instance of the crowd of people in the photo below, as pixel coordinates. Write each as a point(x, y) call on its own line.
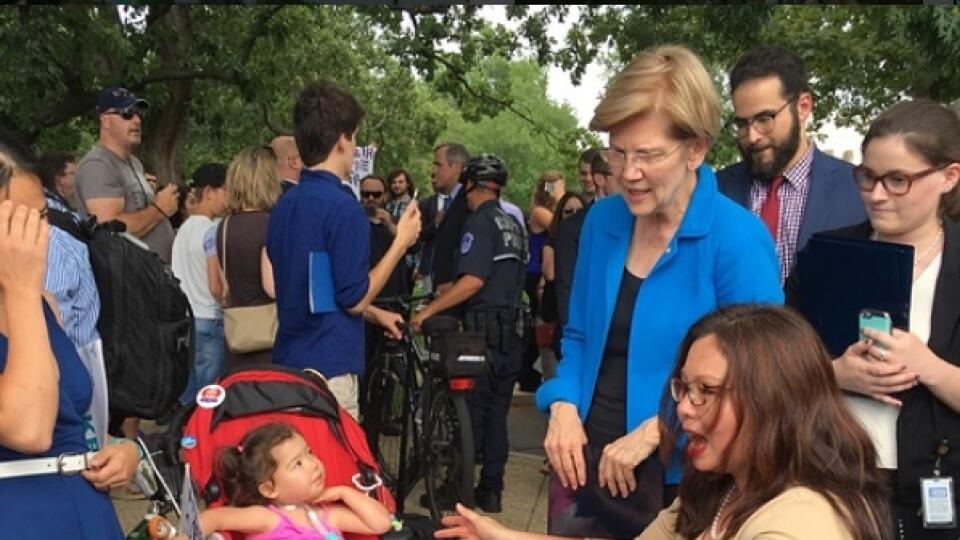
point(682, 399)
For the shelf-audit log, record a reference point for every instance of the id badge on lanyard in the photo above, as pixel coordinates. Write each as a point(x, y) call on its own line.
point(937, 496)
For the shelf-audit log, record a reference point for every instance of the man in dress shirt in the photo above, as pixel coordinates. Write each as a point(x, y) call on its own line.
point(796, 189)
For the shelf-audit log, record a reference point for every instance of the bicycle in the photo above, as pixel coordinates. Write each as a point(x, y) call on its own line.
point(416, 414)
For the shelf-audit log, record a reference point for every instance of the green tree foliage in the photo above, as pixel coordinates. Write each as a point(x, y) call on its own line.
point(528, 149)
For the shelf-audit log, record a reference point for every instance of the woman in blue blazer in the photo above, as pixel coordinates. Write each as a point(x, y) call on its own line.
point(652, 260)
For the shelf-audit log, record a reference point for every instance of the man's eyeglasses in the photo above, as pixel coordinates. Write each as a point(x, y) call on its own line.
point(618, 159)
point(896, 183)
point(763, 122)
point(371, 194)
point(128, 114)
point(699, 394)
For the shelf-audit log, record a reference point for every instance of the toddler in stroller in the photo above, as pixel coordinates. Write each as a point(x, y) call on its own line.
point(245, 400)
point(276, 485)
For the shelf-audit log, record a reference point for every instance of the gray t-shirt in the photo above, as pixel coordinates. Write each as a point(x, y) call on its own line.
point(101, 174)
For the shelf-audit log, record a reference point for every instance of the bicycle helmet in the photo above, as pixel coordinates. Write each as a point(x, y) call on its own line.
point(487, 170)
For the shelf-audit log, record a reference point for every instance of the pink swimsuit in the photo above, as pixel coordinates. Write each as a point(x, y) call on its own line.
point(288, 530)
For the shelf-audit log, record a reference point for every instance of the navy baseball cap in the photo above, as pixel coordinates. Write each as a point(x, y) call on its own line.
point(211, 174)
point(118, 98)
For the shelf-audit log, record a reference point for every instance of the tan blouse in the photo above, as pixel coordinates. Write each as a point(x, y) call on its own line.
point(796, 514)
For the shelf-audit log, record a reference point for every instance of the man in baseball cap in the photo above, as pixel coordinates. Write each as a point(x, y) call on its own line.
point(119, 99)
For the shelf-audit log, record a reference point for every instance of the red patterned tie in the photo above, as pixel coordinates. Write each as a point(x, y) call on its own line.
point(770, 211)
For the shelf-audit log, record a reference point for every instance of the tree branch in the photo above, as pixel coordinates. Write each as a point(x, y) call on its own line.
point(505, 104)
point(276, 130)
point(173, 75)
point(257, 30)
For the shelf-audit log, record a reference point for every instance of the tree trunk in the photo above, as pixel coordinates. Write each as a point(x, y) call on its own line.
point(165, 136)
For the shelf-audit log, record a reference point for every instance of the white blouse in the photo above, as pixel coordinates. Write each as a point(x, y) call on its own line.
point(880, 419)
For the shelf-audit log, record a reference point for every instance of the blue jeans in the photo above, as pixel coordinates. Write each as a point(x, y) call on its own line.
point(208, 358)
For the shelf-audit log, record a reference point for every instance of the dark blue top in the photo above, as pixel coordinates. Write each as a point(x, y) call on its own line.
point(537, 240)
point(319, 216)
point(53, 505)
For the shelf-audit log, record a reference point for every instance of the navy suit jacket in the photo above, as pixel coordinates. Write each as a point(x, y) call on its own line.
point(833, 200)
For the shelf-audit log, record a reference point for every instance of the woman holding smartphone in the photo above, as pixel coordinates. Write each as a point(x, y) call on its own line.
point(905, 385)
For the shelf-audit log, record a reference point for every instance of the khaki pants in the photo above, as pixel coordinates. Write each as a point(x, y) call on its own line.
point(346, 388)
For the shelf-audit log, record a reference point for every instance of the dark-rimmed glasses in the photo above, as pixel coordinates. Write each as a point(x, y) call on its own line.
point(371, 194)
point(897, 183)
point(618, 159)
point(763, 122)
point(699, 394)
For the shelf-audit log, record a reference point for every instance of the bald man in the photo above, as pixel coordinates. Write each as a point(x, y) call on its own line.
point(288, 161)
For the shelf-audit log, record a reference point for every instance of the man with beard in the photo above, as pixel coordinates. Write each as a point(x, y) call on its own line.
point(796, 189)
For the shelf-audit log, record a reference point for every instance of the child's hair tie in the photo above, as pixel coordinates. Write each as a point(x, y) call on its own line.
point(239, 448)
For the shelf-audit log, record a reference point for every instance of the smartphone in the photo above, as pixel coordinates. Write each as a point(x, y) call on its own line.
point(416, 193)
point(876, 319)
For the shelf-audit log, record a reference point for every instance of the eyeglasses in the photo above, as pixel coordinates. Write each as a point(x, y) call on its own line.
point(896, 183)
point(618, 159)
point(570, 211)
point(128, 114)
point(371, 194)
point(763, 122)
point(699, 394)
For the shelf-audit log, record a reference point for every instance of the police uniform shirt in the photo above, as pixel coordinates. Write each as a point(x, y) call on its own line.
point(493, 248)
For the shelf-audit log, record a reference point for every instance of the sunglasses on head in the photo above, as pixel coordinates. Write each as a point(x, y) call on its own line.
point(128, 114)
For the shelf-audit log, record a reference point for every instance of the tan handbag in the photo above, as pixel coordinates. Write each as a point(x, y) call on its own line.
point(246, 329)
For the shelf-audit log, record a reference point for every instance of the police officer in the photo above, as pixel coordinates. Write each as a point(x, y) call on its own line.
point(491, 268)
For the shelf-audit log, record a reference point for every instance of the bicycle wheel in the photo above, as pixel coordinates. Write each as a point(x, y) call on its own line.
point(383, 418)
point(449, 456)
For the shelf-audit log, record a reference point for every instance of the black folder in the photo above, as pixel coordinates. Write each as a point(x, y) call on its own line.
point(841, 276)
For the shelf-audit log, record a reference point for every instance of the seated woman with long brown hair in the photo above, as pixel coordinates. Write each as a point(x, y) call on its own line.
point(772, 450)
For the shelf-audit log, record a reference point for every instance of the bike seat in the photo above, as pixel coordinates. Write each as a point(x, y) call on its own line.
point(439, 325)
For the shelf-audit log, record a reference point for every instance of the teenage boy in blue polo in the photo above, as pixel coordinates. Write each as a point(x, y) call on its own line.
point(320, 217)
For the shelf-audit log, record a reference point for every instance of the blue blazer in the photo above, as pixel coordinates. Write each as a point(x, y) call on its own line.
point(832, 202)
point(720, 255)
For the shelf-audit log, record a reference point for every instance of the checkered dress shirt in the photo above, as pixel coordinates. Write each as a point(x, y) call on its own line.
point(793, 202)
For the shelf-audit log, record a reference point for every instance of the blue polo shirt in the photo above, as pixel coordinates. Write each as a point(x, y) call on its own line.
point(319, 216)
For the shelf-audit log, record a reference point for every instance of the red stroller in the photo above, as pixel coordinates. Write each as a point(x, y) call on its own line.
point(258, 396)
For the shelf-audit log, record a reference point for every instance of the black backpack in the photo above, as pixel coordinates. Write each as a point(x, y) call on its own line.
point(145, 319)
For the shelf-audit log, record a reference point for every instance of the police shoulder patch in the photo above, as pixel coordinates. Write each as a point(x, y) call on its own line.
point(466, 243)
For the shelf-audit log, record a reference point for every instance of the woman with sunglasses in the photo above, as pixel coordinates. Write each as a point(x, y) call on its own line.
point(905, 386)
point(761, 462)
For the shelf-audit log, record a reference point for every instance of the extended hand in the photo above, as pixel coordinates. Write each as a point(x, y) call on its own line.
point(469, 525)
point(622, 456)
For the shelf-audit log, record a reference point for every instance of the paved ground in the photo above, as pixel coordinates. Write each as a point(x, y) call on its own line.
point(525, 497)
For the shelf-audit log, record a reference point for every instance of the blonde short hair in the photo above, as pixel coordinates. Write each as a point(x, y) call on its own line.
point(669, 79)
point(252, 180)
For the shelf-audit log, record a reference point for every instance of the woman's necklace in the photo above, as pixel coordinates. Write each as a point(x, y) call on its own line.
point(714, 535)
point(918, 259)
